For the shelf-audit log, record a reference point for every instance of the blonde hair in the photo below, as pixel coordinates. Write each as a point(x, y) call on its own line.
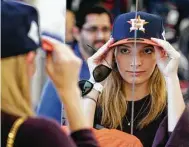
point(114, 104)
point(15, 90)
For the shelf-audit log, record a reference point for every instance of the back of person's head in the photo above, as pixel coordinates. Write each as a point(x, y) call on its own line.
point(82, 13)
point(20, 39)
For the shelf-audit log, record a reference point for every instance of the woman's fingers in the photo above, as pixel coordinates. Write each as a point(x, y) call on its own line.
point(172, 53)
point(160, 56)
point(62, 65)
point(167, 57)
point(58, 47)
point(160, 53)
point(101, 54)
point(109, 58)
point(103, 50)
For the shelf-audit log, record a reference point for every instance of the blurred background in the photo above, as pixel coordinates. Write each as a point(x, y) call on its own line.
point(58, 17)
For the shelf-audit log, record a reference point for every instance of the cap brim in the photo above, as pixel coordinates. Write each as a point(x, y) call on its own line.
point(132, 40)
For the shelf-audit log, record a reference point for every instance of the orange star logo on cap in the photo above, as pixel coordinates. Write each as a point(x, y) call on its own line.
point(137, 24)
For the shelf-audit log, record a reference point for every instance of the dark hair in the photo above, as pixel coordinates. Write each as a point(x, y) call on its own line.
point(82, 13)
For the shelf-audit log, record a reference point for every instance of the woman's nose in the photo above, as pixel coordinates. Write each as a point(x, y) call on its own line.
point(136, 61)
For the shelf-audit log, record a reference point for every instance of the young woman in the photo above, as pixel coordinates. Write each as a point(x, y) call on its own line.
point(144, 72)
point(20, 127)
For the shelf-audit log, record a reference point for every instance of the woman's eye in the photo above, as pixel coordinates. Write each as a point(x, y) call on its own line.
point(148, 50)
point(124, 51)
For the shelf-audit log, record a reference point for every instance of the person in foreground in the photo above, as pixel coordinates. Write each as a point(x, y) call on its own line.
point(151, 66)
point(20, 126)
point(93, 28)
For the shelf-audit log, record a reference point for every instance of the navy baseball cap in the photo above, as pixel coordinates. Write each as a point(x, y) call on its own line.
point(19, 28)
point(147, 26)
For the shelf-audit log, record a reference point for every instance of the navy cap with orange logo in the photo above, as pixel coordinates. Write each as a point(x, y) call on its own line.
point(147, 26)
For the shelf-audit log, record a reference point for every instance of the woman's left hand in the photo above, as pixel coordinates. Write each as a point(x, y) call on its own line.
point(167, 59)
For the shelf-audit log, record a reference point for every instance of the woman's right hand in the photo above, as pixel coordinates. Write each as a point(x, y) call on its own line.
point(63, 66)
point(102, 56)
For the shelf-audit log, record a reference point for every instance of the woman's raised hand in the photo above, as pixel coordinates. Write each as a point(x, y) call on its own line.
point(103, 56)
point(63, 66)
point(167, 59)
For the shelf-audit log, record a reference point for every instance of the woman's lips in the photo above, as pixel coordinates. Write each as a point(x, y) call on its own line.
point(135, 73)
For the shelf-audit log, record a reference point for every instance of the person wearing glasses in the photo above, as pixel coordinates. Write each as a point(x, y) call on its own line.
point(20, 126)
point(92, 30)
point(141, 69)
